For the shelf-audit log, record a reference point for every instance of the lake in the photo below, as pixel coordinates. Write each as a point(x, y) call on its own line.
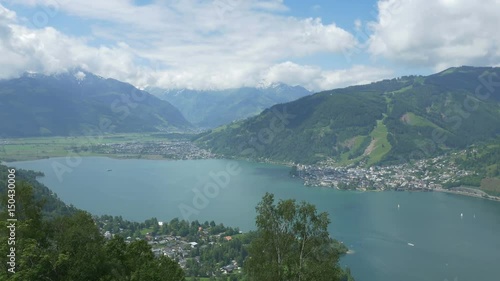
point(446, 245)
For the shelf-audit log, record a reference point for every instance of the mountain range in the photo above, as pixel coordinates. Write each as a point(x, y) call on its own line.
point(81, 103)
point(212, 108)
point(384, 122)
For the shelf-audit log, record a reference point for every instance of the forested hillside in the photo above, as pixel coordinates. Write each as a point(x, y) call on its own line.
point(212, 108)
point(53, 241)
point(485, 160)
point(81, 103)
point(389, 121)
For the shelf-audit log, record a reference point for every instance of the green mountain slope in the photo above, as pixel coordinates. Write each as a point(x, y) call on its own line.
point(79, 103)
point(484, 159)
point(384, 122)
point(212, 108)
point(52, 206)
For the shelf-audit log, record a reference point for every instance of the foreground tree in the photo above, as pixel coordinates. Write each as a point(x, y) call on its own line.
point(71, 248)
point(292, 244)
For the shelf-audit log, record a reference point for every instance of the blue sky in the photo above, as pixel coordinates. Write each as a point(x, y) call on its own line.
point(204, 44)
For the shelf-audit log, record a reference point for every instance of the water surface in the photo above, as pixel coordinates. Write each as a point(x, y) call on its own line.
point(446, 245)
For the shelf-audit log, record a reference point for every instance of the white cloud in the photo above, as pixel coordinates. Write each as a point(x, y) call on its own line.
point(315, 78)
point(191, 43)
point(230, 43)
point(80, 76)
point(48, 51)
point(358, 24)
point(437, 33)
point(271, 5)
point(316, 8)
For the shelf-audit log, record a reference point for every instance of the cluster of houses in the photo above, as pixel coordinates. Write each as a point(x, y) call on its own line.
point(169, 149)
point(230, 268)
point(424, 175)
point(179, 249)
point(172, 246)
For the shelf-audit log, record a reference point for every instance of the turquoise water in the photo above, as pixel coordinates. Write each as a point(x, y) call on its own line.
point(446, 245)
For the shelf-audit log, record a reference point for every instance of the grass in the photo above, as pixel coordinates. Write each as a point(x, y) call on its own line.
point(380, 146)
point(491, 186)
point(404, 89)
point(20, 149)
point(208, 278)
point(448, 71)
point(234, 125)
point(415, 120)
point(357, 143)
point(146, 231)
point(390, 105)
point(420, 80)
point(379, 140)
point(204, 278)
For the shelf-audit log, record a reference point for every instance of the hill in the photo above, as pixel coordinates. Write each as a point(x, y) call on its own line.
point(52, 206)
point(71, 244)
point(212, 108)
point(390, 121)
point(81, 103)
point(484, 159)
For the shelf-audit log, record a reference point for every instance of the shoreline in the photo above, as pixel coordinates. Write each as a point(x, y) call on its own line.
point(470, 194)
point(155, 157)
point(111, 156)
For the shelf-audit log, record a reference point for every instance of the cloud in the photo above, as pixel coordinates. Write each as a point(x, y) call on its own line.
point(203, 44)
point(437, 33)
point(80, 76)
point(316, 8)
point(358, 24)
point(192, 43)
point(315, 78)
point(49, 51)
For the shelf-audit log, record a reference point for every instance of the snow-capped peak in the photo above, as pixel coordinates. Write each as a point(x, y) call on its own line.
point(270, 85)
point(79, 76)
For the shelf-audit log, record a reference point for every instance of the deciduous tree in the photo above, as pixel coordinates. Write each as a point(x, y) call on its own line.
point(292, 244)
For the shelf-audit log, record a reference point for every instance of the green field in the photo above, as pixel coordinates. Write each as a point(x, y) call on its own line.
point(20, 149)
point(357, 148)
point(381, 145)
point(491, 186)
point(221, 278)
point(415, 120)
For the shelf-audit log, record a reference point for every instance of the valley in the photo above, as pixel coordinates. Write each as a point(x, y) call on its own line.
point(440, 174)
point(258, 140)
point(139, 146)
point(445, 173)
point(213, 108)
point(382, 123)
point(387, 135)
point(368, 223)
